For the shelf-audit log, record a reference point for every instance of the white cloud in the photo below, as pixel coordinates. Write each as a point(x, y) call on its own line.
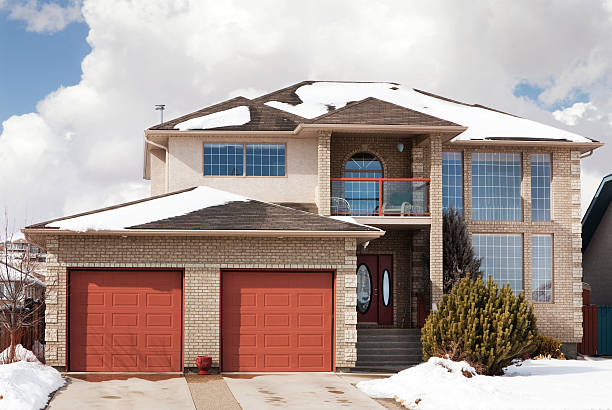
point(46, 17)
point(82, 149)
point(571, 115)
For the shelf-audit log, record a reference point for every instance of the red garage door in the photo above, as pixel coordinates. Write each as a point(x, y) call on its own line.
point(123, 321)
point(277, 321)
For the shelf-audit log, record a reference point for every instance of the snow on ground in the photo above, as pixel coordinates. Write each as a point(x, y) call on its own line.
point(21, 353)
point(482, 123)
point(234, 116)
point(27, 385)
point(535, 384)
point(148, 210)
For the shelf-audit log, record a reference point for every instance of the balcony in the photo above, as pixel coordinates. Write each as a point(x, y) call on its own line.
point(368, 199)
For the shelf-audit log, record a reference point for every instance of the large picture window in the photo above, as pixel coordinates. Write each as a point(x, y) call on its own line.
point(540, 187)
point(541, 268)
point(502, 258)
point(496, 187)
point(362, 195)
point(230, 160)
point(452, 181)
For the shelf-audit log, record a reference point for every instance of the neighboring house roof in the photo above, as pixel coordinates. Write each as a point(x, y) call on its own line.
point(200, 209)
point(11, 274)
point(365, 103)
point(599, 204)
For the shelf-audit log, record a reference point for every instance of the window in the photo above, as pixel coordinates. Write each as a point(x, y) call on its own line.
point(540, 187)
point(496, 187)
point(364, 289)
point(265, 160)
point(230, 159)
point(452, 181)
point(362, 196)
point(541, 268)
point(502, 258)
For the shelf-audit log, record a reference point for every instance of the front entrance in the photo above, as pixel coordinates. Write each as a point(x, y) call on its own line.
point(375, 289)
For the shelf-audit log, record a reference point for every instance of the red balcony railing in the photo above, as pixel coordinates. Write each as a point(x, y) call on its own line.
point(380, 196)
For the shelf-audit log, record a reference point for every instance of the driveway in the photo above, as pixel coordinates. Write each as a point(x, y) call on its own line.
point(297, 391)
point(97, 392)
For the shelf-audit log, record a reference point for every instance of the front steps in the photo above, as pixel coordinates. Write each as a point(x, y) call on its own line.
point(387, 350)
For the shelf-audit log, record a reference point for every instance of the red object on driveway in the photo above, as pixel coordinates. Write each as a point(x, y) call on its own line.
point(203, 363)
point(277, 321)
point(125, 321)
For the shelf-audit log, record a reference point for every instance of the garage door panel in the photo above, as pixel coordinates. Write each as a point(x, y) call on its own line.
point(277, 321)
point(137, 328)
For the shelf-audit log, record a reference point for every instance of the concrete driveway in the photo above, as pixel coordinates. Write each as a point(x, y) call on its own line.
point(158, 392)
point(297, 391)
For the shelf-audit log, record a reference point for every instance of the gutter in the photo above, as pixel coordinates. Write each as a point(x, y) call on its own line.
point(148, 141)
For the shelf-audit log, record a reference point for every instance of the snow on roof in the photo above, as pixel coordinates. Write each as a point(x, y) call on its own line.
point(317, 98)
point(234, 116)
point(132, 214)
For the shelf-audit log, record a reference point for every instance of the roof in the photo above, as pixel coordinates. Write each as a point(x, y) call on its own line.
point(597, 208)
point(201, 209)
point(365, 103)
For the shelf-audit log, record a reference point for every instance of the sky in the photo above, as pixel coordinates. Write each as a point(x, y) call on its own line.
point(79, 79)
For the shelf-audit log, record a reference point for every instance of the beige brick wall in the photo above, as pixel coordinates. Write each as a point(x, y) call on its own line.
point(562, 318)
point(202, 260)
point(323, 183)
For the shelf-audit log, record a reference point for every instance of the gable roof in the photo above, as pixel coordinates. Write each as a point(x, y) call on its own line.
point(202, 209)
point(597, 208)
point(335, 102)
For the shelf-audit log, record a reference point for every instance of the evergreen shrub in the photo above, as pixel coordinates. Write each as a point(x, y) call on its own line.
point(482, 324)
point(547, 347)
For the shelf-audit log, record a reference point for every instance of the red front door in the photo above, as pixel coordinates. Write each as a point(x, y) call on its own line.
point(375, 289)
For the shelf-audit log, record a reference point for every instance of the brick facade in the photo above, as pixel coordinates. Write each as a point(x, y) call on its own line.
point(202, 260)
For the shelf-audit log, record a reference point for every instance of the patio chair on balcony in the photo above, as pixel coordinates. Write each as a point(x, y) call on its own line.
point(340, 206)
point(400, 204)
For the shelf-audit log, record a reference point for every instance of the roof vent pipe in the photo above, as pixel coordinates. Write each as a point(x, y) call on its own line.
point(160, 108)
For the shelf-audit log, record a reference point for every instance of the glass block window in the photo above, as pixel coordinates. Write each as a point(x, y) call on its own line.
point(223, 159)
point(265, 160)
point(540, 187)
point(502, 258)
point(541, 268)
point(452, 181)
point(496, 187)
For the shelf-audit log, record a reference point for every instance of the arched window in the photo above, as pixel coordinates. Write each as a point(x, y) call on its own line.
point(362, 195)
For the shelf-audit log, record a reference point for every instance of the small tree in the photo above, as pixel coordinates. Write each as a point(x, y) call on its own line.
point(482, 324)
point(458, 255)
point(17, 281)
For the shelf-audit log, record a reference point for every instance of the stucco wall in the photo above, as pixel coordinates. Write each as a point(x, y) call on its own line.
point(202, 259)
point(597, 262)
point(299, 185)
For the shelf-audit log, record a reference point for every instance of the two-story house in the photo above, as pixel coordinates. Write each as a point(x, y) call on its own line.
point(312, 240)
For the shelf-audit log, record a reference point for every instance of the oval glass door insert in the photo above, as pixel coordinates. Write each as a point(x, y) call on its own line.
point(386, 287)
point(364, 289)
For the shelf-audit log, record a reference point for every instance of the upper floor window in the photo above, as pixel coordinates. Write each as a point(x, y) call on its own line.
point(502, 258)
point(496, 187)
point(244, 159)
point(362, 195)
point(540, 187)
point(452, 181)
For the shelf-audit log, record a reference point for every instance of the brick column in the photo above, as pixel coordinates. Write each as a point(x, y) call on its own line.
point(435, 207)
point(324, 165)
point(576, 241)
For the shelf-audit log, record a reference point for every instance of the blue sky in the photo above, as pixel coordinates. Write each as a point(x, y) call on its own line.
point(36, 64)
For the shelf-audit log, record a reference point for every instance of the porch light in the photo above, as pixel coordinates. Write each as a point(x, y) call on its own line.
point(400, 147)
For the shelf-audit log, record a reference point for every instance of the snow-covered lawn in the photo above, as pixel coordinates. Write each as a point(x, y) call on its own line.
point(535, 384)
point(26, 385)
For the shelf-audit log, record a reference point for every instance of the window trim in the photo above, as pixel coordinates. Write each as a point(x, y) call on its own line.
point(552, 263)
point(244, 144)
point(471, 193)
point(462, 153)
point(522, 235)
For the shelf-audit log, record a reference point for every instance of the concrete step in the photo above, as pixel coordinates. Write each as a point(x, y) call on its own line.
point(389, 364)
point(388, 338)
point(402, 344)
point(380, 369)
point(411, 358)
point(379, 330)
point(371, 351)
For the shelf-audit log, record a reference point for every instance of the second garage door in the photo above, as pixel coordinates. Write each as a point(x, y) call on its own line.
point(123, 321)
point(277, 321)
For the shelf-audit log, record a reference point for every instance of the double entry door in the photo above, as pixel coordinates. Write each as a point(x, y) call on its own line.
point(375, 289)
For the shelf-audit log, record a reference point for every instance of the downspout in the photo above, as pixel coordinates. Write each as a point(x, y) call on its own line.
point(148, 141)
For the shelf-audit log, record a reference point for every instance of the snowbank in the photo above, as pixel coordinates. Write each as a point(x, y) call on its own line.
point(27, 385)
point(536, 384)
point(148, 210)
point(21, 353)
point(234, 116)
point(482, 123)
